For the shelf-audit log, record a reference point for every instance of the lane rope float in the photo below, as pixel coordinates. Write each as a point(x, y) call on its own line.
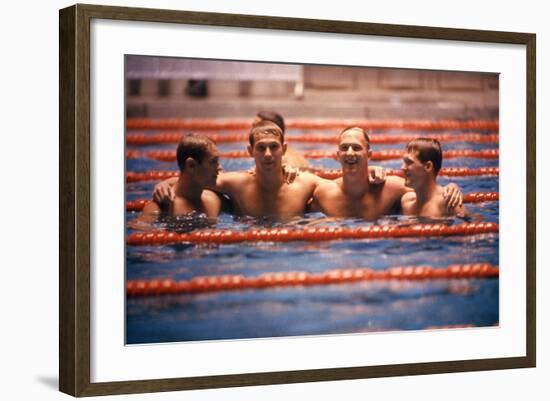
point(473, 197)
point(135, 288)
point(376, 138)
point(132, 177)
point(312, 234)
point(391, 154)
point(218, 124)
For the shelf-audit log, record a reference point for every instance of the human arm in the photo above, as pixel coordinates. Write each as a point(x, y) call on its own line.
point(148, 215)
point(295, 159)
point(164, 191)
point(377, 174)
point(459, 211)
point(453, 197)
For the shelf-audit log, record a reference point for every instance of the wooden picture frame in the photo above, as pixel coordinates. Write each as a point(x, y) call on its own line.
point(75, 204)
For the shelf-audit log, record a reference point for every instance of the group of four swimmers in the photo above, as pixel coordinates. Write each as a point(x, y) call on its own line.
point(277, 191)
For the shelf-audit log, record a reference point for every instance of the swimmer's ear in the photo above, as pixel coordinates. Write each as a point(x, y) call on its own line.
point(190, 163)
point(284, 148)
point(249, 148)
point(369, 153)
point(429, 166)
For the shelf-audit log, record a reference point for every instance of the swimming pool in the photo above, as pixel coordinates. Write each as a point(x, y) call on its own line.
point(334, 308)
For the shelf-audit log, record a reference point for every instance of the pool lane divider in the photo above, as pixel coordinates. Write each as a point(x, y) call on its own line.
point(234, 124)
point(473, 197)
point(327, 174)
point(170, 156)
point(136, 288)
point(313, 234)
point(173, 137)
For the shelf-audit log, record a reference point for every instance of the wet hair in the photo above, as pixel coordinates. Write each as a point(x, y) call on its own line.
point(274, 118)
point(351, 127)
point(427, 149)
point(265, 127)
point(195, 146)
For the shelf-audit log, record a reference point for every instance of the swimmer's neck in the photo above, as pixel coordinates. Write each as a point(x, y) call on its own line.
point(355, 185)
point(270, 179)
point(426, 192)
point(188, 190)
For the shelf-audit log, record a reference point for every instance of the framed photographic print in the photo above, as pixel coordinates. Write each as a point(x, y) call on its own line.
point(250, 200)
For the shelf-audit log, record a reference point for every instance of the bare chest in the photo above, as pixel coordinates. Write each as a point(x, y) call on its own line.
point(433, 208)
point(285, 202)
point(181, 206)
point(370, 206)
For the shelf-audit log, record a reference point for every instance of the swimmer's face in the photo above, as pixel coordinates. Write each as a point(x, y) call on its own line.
point(206, 172)
point(353, 152)
point(267, 151)
point(414, 170)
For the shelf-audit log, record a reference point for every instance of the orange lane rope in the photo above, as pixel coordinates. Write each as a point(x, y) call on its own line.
point(392, 154)
point(174, 137)
point(210, 124)
point(308, 234)
point(444, 172)
point(472, 197)
point(136, 288)
point(327, 174)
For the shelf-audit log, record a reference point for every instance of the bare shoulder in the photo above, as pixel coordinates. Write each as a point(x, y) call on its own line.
point(439, 199)
point(210, 196)
point(408, 197)
point(396, 186)
point(327, 187)
point(151, 207)
point(235, 175)
point(234, 178)
point(395, 181)
point(305, 177)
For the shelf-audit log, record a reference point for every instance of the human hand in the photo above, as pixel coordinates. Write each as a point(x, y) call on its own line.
point(290, 173)
point(377, 175)
point(163, 192)
point(452, 196)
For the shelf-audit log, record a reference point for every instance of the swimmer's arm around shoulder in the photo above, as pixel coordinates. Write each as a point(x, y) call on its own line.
point(460, 211)
point(307, 178)
point(164, 192)
point(377, 174)
point(228, 183)
point(453, 196)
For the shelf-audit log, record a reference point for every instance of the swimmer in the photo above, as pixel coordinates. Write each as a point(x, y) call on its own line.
point(198, 161)
point(352, 195)
point(292, 157)
point(264, 191)
point(421, 164)
point(295, 160)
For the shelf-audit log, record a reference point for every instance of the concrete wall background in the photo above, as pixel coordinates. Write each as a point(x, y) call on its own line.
point(322, 91)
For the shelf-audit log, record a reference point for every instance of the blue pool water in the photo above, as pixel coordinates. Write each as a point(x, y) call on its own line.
point(312, 310)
